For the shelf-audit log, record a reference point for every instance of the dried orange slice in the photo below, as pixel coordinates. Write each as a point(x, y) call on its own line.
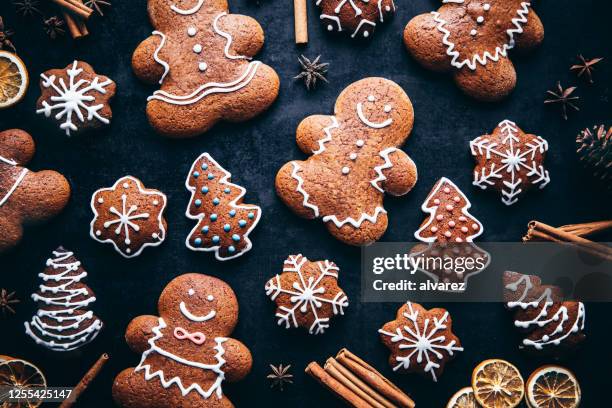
point(497, 384)
point(464, 398)
point(22, 375)
point(552, 387)
point(13, 79)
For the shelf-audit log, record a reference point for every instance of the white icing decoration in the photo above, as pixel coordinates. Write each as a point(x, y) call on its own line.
point(424, 341)
point(192, 31)
point(198, 217)
point(512, 158)
point(158, 59)
point(215, 387)
point(197, 48)
point(228, 37)
point(486, 7)
point(386, 165)
point(353, 5)
point(328, 137)
point(196, 318)
point(362, 22)
point(300, 189)
point(125, 218)
point(209, 88)
point(202, 66)
point(367, 122)
point(72, 98)
point(517, 22)
point(210, 298)
point(543, 318)
point(333, 18)
point(66, 308)
point(356, 223)
point(387, 8)
point(17, 182)
point(346, 170)
point(192, 10)
point(305, 295)
point(191, 292)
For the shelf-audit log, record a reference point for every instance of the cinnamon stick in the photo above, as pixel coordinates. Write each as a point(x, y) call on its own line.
point(301, 21)
point(318, 373)
point(347, 378)
point(588, 228)
point(89, 376)
point(75, 7)
point(76, 26)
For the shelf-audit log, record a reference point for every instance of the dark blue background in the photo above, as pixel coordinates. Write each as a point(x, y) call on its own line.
point(254, 151)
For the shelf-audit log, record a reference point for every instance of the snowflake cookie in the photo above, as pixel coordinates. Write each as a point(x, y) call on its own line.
point(510, 161)
point(355, 17)
point(420, 340)
point(76, 97)
point(307, 294)
point(224, 222)
point(128, 216)
point(355, 158)
point(552, 324)
point(471, 39)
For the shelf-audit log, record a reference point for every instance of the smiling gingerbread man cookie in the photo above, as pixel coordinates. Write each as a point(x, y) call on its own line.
point(201, 55)
point(355, 160)
point(186, 351)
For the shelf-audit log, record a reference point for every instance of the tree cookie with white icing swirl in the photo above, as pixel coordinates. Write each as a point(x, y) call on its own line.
point(471, 39)
point(202, 58)
point(354, 160)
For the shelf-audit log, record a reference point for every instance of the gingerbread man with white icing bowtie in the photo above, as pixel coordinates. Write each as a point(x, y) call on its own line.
point(201, 55)
point(355, 160)
point(185, 352)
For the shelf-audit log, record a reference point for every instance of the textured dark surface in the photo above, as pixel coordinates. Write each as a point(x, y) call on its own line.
point(445, 121)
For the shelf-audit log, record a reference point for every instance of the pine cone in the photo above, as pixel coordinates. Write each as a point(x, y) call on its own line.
point(594, 148)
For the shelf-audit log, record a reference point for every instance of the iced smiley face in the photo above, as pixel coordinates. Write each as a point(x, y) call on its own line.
point(367, 116)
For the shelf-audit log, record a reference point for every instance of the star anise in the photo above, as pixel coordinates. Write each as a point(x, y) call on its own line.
point(53, 27)
point(26, 8)
point(97, 5)
point(585, 67)
point(5, 34)
point(563, 97)
point(312, 71)
point(280, 376)
point(6, 300)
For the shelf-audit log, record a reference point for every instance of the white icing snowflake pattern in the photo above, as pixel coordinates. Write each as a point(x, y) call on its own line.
point(514, 157)
point(306, 295)
point(73, 98)
point(125, 218)
point(426, 342)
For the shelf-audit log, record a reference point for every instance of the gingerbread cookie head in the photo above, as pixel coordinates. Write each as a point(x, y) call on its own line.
point(186, 351)
point(355, 159)
point(128, 216)
point(202, 57)
point(358, 18)
point(26, 197)
point(76, 98)
point(472, 38)
point(509, 161)
point(420, 340)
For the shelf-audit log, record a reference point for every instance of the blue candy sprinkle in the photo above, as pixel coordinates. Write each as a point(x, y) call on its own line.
point(213, 217)
point(198, 202)
point(211, 176)
point(198, 241)
point(231, 249)
point(204, 190)
point(204, 166)
point(205, 229)
point(251, 216)
point(227, 228)
point(232, 213)
point(196, 174)
point(216, 201)
point(242, 223)
point(226, 191)
point(216, 239)
point(236, 237)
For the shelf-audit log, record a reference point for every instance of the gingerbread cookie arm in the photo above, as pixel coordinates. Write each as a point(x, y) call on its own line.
point(139, 331)
point(532, 35)
point(238, 360)
point(147, 63)
point(51, 189)
point(314, 132)
point(490, 82)
point(243, 35)
point(17, 145)
point(424, 41)
point(399, 172)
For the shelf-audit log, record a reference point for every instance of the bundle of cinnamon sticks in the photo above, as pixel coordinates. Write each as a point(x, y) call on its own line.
point(573, 233)
point(76, 14)
point(357, 383)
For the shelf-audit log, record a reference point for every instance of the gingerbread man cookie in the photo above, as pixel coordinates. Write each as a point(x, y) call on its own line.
point(307, 294)
point(420, 340)
point(355, 160)
point(129, 216)
point(201, 55)
point(26, 197)
point(355, 17)
point(471, 39)
point(76, 97)
point(186, 351)
point(509, 161)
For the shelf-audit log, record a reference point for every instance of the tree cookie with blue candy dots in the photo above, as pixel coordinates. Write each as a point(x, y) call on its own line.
point(224, 222)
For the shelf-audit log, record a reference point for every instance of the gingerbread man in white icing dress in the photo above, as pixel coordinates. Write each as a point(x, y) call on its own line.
point(202, 57)
point(186, 355)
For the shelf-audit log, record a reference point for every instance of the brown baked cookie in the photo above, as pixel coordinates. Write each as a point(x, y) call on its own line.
point(64, 321)
point(420, 340)
point(355, 17)
point(471, 39)
point(307, 294)
point(186, 351)
point(76, 98)
point(509, 161)
point(202, 57)
point(26, 197)
point(552, 324)
point(355, 160)
point(129, 216)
